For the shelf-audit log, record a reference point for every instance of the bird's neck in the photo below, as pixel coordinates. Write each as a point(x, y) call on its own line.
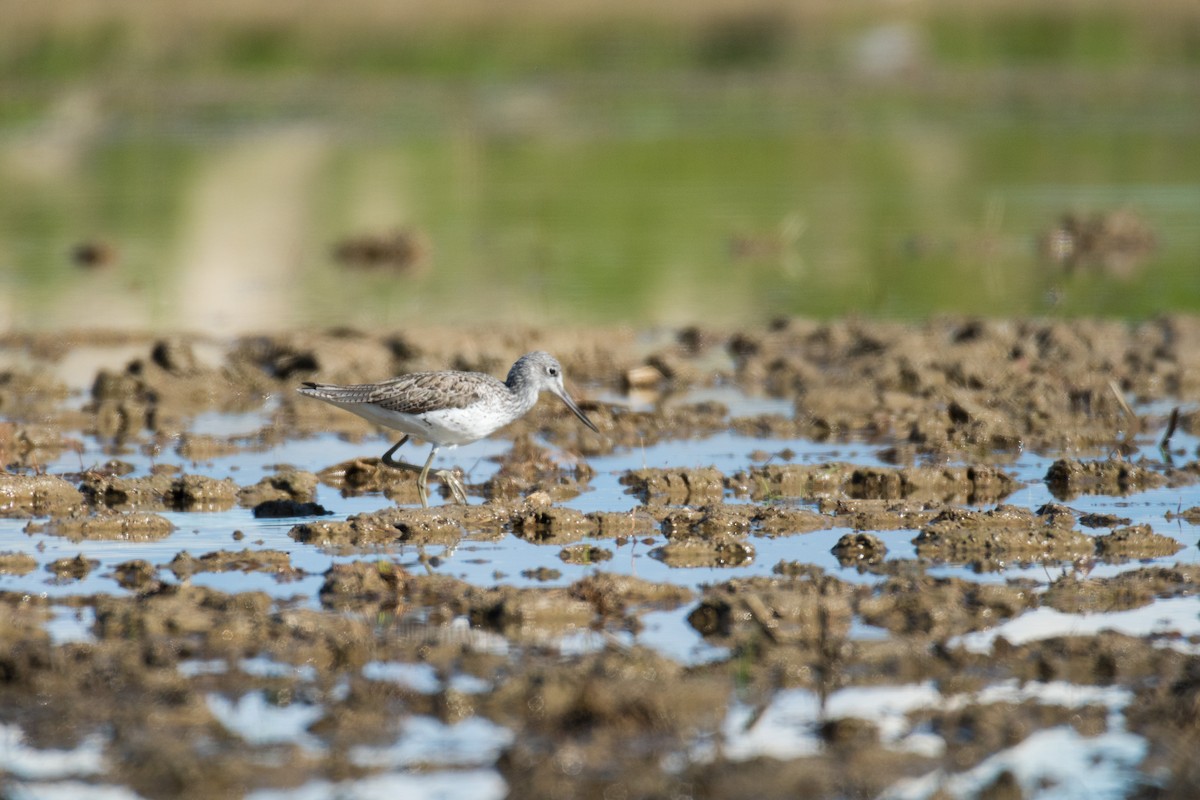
point(524, 394)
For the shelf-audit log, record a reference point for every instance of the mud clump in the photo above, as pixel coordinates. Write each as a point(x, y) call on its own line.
point(274, 562)
point(133, 526)
point(587, 709)
point(361, 475)
point(1135, 542)
point(585, 554)
point(17, 563)
point(442, 525)
point(946, 485)
point(624, 428)
point(553, 525)
point(225, 622)
point(622, 525)
point(1073, 595)
point(990, 539)
point(290, 484)
point(938, 608)
point(160, 491)
point(859, 549)
point(202, 448)
point(978, 730)
point(716, 550)
point(136, 575)
point(1164, 711)
point(527, 467)
point(74, 569)
point(1191, 515)
point(784, 521)
point(676, 485)
point(1068, 478)
point(543, 574)
point(706, 522)
point(352, 585)
point(880, 515)
point(528, 615)
point(1102, 659)
point(785, 611)
point(611, 593)
point(37, 496)
point(1102, 520)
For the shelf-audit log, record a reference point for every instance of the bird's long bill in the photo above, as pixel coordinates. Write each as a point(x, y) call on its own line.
point(566, 398)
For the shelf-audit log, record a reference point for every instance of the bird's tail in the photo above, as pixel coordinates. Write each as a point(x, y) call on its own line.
point(322, 391)
point(332, 393)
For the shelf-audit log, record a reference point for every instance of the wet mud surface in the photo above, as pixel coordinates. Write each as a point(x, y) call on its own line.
point(844, 559)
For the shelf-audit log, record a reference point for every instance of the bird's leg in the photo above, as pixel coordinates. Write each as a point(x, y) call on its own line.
point(456, 488)
point(391, 462)
point(448, 477)
point(423, 478)
point(421, 472)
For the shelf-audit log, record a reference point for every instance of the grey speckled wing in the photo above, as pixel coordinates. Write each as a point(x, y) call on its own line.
point(415, 393)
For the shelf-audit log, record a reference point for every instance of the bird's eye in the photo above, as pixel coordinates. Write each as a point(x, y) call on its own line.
point(552, 372)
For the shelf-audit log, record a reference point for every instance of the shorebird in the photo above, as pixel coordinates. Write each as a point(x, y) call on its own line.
point(449, 408)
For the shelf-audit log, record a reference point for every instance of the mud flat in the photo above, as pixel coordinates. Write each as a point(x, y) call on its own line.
point(947, 546)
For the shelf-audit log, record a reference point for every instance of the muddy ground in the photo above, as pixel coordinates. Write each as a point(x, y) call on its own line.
point(947, 407)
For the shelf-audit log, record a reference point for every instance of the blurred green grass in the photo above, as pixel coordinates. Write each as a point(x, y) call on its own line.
point(587, 162)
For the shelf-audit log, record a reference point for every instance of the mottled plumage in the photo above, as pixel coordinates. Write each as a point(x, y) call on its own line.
point(449, 408)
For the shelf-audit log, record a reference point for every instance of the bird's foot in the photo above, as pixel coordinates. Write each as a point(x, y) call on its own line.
point(454, 484)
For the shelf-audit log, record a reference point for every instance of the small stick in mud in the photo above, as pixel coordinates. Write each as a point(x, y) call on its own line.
point(1116, 390)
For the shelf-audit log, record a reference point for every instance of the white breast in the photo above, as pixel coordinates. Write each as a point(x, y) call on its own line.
point(461, 425)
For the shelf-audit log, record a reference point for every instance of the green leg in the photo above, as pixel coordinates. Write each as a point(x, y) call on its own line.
point(456, 487)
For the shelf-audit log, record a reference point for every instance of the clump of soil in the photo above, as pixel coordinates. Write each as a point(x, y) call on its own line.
point(361, 475)
point(1073, 595)
point(1005, 534)
point(1134, 542)
point(37, 496)
point(136, 574)
point(972, 485)
point(1068, 478)
point(807, 610)
point(881, 515)
point(553, 524)
point(717, 549)
point(611, 593)
point(775, 520)
point(130, 526)
point(585, 554)
point(288, 484)
point(275, 562)
point(974, 732)
point(75, 568)
point(859, 549)
point(160, 491)
point(676, 486)
point(526, 468)
point(1191, 515)
point(438, 525)
point(938, 608)
point(17, 563)
point(350, 585)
